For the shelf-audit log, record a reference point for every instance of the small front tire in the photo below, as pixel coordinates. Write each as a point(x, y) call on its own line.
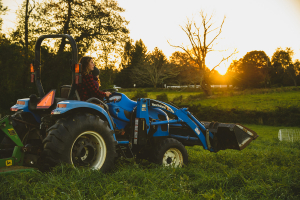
point(170, 152)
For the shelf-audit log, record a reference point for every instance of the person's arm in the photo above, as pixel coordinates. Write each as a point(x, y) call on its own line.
point(92, 88)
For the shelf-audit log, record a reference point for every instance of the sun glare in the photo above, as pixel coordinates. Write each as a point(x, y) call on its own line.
point(222, 69)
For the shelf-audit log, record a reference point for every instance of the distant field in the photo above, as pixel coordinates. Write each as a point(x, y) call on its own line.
point(266, 169)
point(171, 94)
point(261, 102)
point(258, 100)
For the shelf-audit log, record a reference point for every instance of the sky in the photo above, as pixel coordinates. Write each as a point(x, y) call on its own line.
point(250, 25)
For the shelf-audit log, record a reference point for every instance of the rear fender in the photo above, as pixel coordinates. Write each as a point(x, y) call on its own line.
point(22, 104)
point(73, 105)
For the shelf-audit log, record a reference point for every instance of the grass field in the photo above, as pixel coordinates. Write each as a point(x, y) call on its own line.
point(266, 169)
point(256, 99)
point(260, 102)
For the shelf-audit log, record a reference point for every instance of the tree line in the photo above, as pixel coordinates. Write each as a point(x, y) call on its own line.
point(99, 28)
point(95, 26)
point(254, 70)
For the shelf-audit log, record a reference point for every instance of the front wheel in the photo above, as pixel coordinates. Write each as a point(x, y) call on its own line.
point(170, 152)
point(83, 140)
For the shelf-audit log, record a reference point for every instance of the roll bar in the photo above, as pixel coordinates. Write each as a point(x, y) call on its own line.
point(37, 62)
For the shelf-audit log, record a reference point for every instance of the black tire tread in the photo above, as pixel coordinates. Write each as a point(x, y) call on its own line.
point(62, 134)
point(164, 145)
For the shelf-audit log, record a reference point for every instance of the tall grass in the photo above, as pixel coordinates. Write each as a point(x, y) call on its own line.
point(266, 169)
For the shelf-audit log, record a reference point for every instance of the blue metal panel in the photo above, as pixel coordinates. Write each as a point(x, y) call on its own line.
point(183, 117)
point(198, 123)
point(73, 104)
point(200, 133)
point(123, 142)
point(142, 111)
point(26, 109)
point(118, 112)
point(160, 133)
point(122, 101)
point(165, 122)
point(119, 123)
point(184, 137)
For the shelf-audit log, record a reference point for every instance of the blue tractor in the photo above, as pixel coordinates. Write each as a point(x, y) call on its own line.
point(47, 130)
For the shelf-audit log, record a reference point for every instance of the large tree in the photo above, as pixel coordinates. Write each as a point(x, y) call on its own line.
point(3, 11)
point(282, 67)
point(252, 70)
point(233, 73)
point(126, 55)
point(14, 77)
point(89, 22)
point(256, 69)
point(293, 71)
point(23, 33)
point(202, 39)
point(188, 71)
point(154, 69)
point(133, 55)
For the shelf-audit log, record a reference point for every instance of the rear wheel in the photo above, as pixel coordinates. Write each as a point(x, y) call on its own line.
point(170, 152)
point(83, 140)
point(88, 150)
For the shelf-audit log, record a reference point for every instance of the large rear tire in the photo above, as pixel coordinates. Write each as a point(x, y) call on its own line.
point(83, 140)
point(170, 152)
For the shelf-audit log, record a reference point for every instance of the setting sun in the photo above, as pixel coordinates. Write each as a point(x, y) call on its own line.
point(249, 25)
point(262, 25)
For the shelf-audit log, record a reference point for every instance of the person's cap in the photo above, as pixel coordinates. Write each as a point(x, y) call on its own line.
point(96, 71)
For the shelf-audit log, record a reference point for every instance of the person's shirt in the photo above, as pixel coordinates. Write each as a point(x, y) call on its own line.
point(88, 88)
point(96, 81)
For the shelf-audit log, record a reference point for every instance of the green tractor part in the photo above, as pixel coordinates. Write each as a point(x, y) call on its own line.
point(11, 156)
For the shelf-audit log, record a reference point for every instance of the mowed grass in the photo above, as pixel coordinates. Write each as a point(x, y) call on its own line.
point(259, 102)
point(266, 169)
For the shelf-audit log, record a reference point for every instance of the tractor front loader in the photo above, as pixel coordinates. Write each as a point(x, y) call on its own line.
point(47, 130)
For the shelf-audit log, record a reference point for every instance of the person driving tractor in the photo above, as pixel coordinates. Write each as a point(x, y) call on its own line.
point(88, 88)
point(96, 73)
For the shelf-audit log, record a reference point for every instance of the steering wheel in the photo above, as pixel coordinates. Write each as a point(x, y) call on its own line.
point(98, 101)
point(112, 91)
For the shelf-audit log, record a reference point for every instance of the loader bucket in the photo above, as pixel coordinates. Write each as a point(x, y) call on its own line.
point(230, 136)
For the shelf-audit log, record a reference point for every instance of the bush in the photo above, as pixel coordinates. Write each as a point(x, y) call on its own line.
point(140, 94)
point(196, 97)
point(178, 99)
point(162, 97)
point(282, 116)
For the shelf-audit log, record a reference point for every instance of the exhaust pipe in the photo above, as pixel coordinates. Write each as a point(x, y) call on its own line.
point(229, 136)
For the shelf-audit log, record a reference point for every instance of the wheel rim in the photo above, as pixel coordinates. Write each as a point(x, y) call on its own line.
point(173, 157)
point(88, 150)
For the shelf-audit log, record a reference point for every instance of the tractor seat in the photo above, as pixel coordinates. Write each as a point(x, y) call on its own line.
point(64, 92)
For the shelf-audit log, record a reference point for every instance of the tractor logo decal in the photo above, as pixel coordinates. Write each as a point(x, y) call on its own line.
point(8, 162)
point(11, 131)
point(161, 105)
point(197, 130)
